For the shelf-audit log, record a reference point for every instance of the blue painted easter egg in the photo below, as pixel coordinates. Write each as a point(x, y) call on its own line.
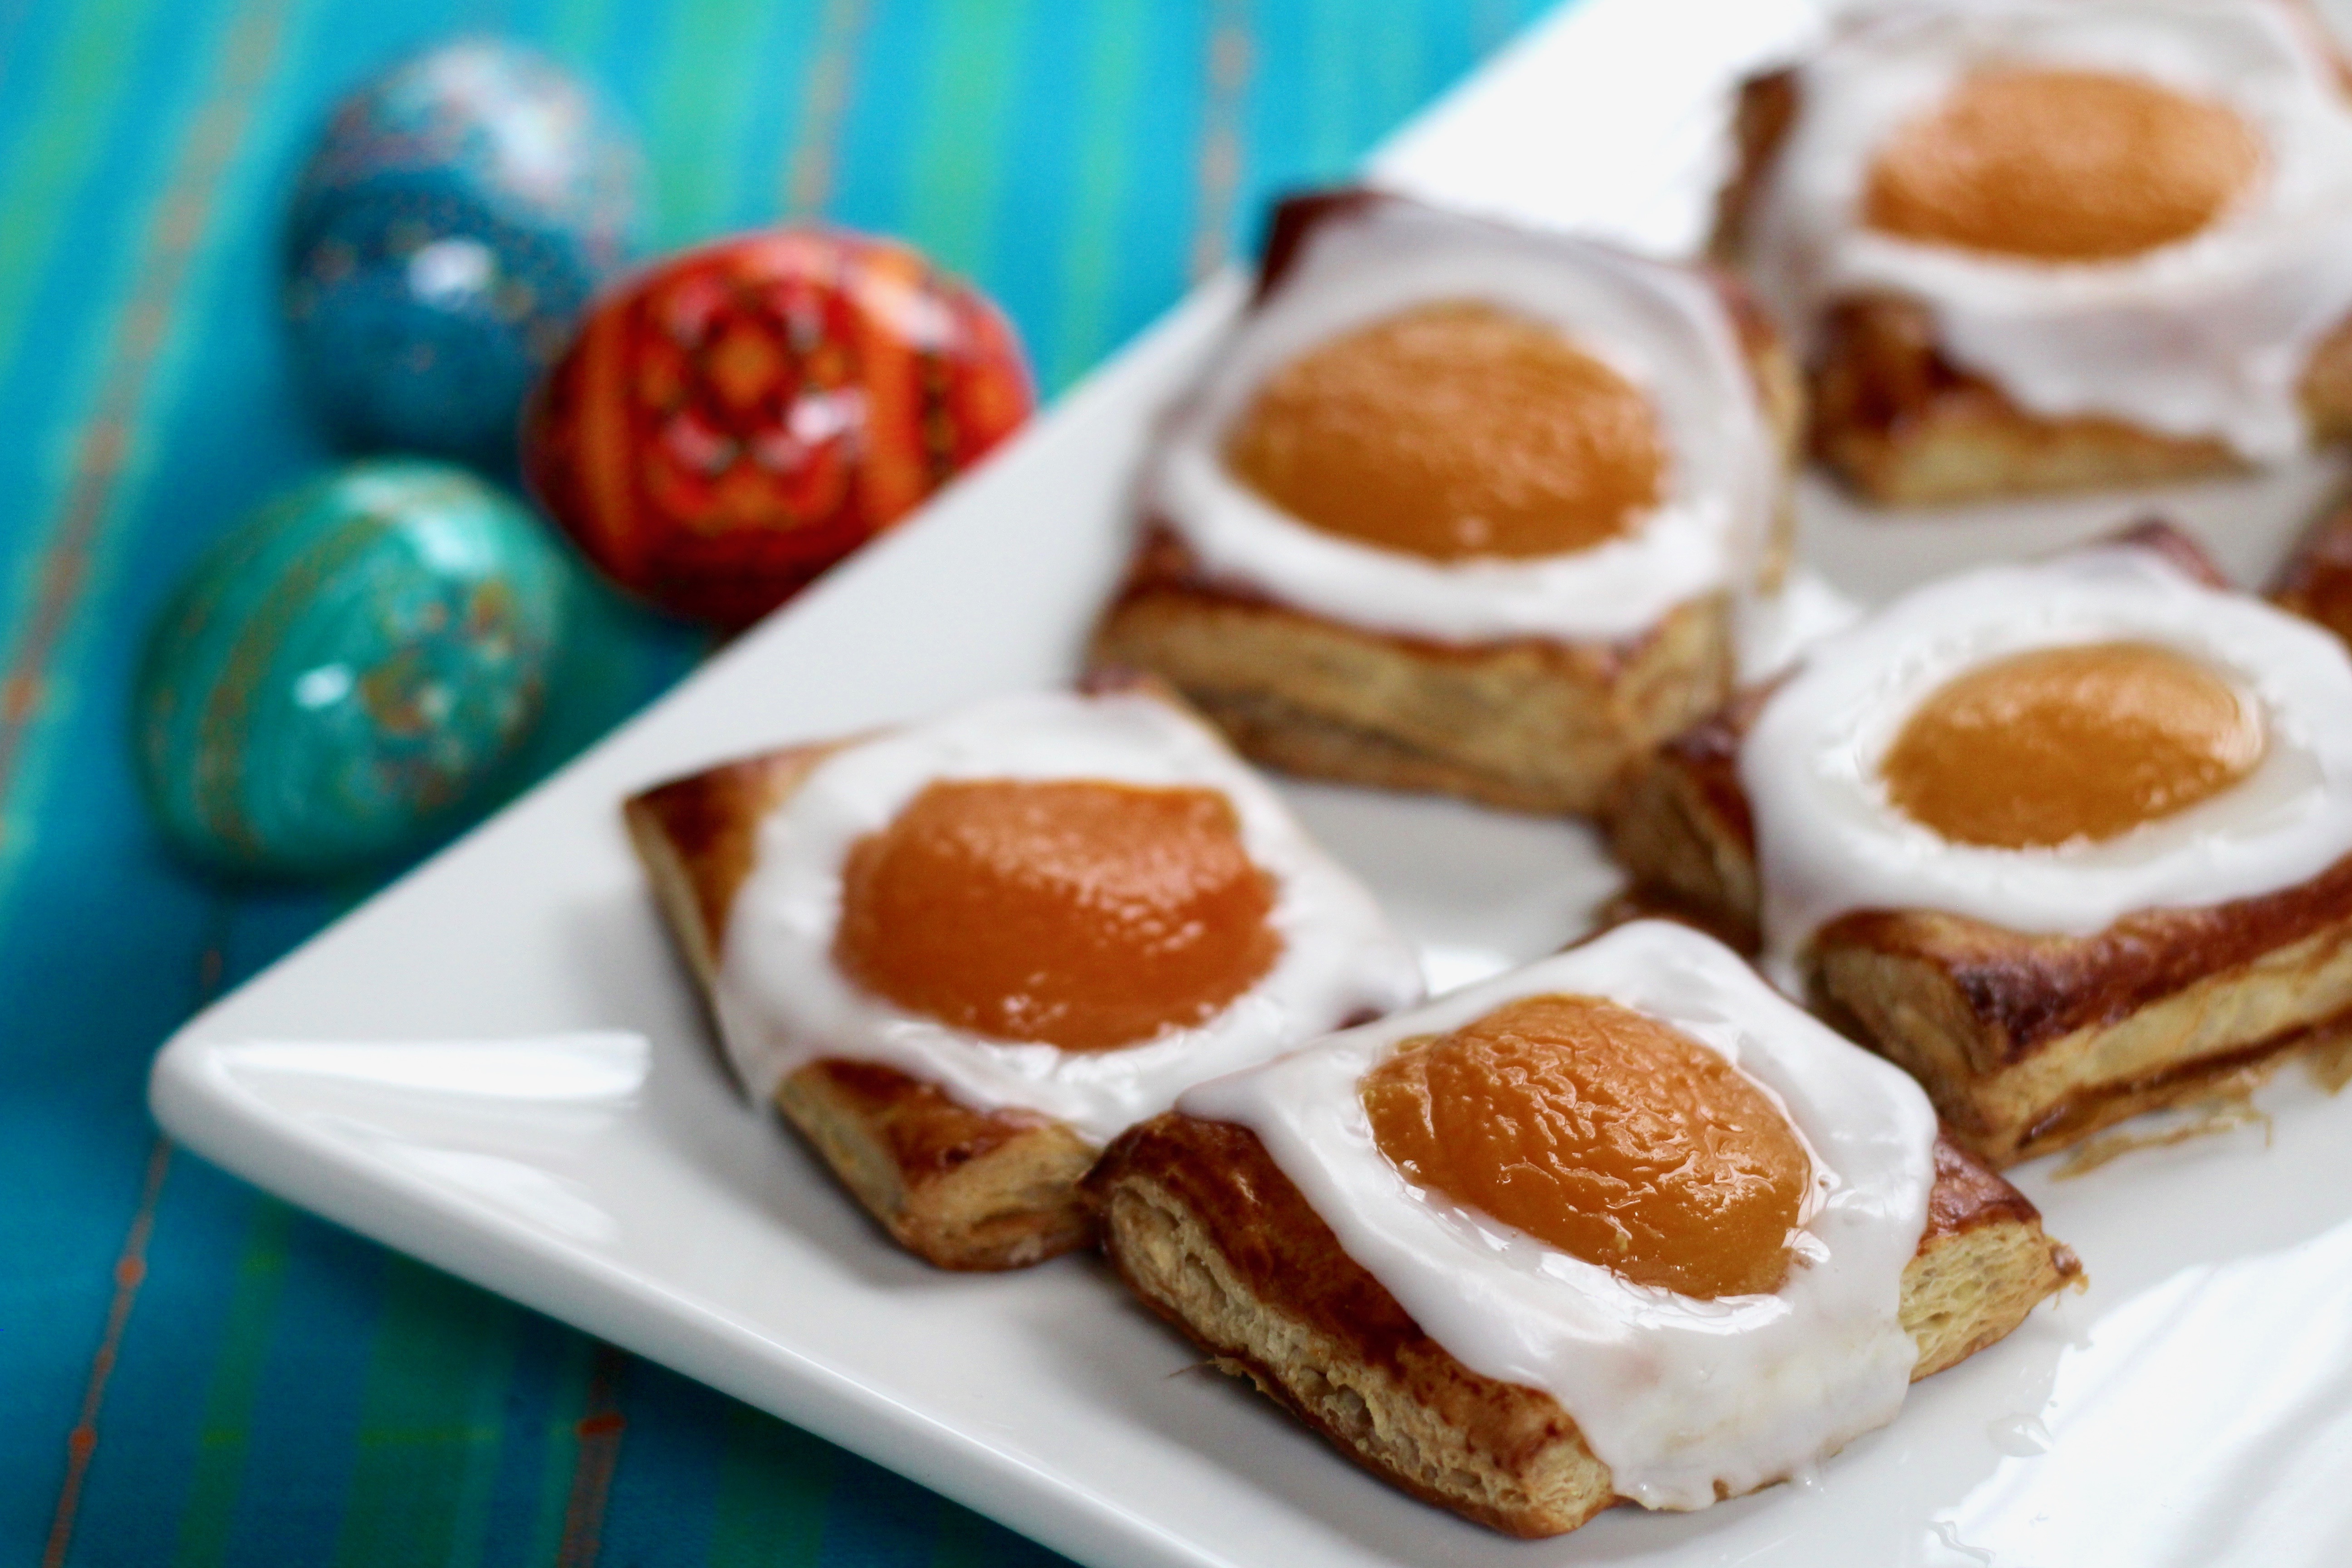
point(447, 232)
point(341, 677)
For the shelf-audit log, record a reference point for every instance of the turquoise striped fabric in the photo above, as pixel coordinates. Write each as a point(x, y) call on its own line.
point(194, 1373)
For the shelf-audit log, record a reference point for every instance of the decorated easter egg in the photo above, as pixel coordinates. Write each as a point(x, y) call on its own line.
point(728, 425)
point(341, 677)
point(452, 222)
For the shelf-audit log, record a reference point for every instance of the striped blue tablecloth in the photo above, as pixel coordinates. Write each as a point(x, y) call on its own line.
point(191, 1372)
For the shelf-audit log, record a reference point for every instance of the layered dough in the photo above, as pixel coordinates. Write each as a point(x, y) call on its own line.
point(1482, 1365)
point(1527, 475)
point(964, 1129)
point(2039, 994)
point(2048, 243)
point(1685, 1398)
point(1212, 1235)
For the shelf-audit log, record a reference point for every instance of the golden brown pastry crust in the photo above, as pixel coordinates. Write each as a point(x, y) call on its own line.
point(1905, 426)
point(2029, 1044)
point(1212, 1236)
point(959, 1187)
point(2026, 1042)
point(1525, 724)
point(1680, 824)
point(696, 838)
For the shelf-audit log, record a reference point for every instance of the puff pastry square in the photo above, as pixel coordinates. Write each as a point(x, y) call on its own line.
point(2026, 1042)
point(1895, 419)
point(1526, 724)
point(1213, 1237)
point(959, 1187)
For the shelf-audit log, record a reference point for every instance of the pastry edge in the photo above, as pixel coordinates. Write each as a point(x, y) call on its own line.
point(1902, 426)
point(960, 1188)
point(1311, 695)
point(2027, 1044)
point(1525, 725)
point(1398, 1404)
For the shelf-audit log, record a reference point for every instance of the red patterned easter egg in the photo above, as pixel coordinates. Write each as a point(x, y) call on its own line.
point(728, 425)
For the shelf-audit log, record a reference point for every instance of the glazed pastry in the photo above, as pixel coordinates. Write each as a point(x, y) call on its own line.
point(960, 956)
point(2042, 245)
point(1460, 508)
point(2067, 840)
point(1625, 1224)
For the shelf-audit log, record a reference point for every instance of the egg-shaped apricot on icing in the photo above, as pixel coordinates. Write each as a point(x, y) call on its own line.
point(1605, 1132)
point(1454, 431)
point(2077, 744)
point(1080, 913)
point(2061, 166)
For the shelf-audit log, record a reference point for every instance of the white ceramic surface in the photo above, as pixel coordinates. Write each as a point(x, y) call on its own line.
point(2192, 1409)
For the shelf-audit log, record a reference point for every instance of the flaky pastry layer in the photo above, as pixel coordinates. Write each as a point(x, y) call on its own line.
point(959, 1187)
point(1903, 424)
point(1211, 1233)
point(2026, 1042)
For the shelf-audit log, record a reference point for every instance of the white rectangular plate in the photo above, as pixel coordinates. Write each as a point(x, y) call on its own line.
point(2194, 1407)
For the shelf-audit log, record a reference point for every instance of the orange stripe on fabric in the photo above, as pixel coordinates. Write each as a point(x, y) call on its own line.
point(832, 77)
point(130, 1273)
point(1231, 56)
point(598, 1435)
point(171, 242)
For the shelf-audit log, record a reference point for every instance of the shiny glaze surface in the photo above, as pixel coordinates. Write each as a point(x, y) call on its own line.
point(1830, 840)
point(2071, 744)
point(1606, 1133)
point(2265, 280)
point(1684, 1399)
point(2061, 166)
point(1451, 431)
point(783, 998)
point(1071, 912)
point(1352, 262)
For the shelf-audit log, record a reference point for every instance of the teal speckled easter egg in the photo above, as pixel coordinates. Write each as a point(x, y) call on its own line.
point(341, 677)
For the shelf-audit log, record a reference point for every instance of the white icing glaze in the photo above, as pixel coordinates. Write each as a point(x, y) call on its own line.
point(2207, 336)
point(1673, 1393)
point(782, 1002)
point(1660, 327)
point(1828, 840)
